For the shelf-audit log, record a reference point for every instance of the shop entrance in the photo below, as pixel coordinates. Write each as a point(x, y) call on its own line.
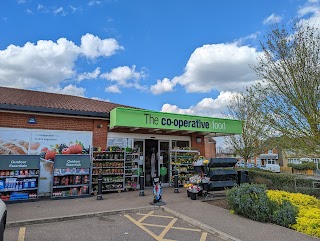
point(151, 160)
point(157, 153)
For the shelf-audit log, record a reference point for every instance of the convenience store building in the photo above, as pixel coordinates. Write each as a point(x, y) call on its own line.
point(31, 120)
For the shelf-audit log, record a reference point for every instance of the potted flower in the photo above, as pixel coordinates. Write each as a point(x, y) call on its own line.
point(187, 185)
point(205, 183)
point(194, 190)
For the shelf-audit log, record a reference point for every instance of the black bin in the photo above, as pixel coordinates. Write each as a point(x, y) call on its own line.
point(243, 176)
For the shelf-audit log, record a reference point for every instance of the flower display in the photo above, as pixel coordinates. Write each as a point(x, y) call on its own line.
point(205, 180)
point(196, 179)
point(194, 188)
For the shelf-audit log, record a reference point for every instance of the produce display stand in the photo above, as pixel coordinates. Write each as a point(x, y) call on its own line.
point(71, 176)
point(221, 173)
point(182, 161)
point(131, 170)
point(19, 178)
point(111, 165)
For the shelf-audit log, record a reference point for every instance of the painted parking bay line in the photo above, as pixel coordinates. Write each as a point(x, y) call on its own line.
point(22, 234)
point(166, 228)
point(145, 229)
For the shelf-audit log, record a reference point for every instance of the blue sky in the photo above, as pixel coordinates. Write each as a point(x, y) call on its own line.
point(177, 56)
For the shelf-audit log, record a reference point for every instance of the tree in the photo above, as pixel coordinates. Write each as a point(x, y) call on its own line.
point(243, 107)
point(289, 91)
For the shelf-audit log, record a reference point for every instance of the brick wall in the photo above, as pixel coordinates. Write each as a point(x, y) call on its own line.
point(198, 146)
point(210, 148)
point(16, 120)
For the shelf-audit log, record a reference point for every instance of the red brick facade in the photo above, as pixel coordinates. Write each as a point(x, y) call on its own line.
point(49, 122)
point(98, 127)
point(198, 145)
point(210, 148)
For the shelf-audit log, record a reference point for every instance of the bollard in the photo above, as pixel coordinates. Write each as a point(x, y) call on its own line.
point(176, 184)
point(141, 181)
point(99, 197)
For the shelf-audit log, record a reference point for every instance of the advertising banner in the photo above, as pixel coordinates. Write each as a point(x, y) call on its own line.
point(45, 143)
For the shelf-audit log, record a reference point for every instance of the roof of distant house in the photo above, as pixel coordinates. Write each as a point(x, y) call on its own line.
point(36, 101)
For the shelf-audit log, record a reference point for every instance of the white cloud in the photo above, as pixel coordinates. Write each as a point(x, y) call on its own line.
point(273, 18)
point(21, 1)
point(126, 77)
point(94, 2)
point(242, 40)
point(59, 11)
point(45, 63)
point(98, 98)
point(113, 89)
point(74, 9)
point(91, 75)
point(68, 90)
point(206, 107)
point(93, 47)
point(222, 67)
point(43, 9)
point(312, 10)
point(162, 86)
point(28, 11)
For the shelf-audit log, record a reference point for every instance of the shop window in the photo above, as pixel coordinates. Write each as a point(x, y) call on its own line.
point(180, 144)
point(121, 142)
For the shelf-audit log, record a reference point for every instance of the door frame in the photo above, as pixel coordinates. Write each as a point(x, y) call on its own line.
point(169, 157)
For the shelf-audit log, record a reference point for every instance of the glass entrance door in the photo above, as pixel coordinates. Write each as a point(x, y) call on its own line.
point(164, 161)
point(139, 146)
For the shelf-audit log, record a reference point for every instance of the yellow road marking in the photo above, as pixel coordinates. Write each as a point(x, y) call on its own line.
point(187, 229)
point(178, 228)
point(153, 215)
point(164, 232)
point(22, 233)
point(146, 230)
point(166, 228)
point(145, 216)
point(203, 236)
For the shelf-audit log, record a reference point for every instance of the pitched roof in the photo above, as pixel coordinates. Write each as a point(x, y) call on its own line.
point(30, 100)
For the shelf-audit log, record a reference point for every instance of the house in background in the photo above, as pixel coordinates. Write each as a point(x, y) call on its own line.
point(297, 157)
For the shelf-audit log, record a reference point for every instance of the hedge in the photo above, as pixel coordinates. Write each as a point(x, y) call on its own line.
point(303, 166)
point(283, 181)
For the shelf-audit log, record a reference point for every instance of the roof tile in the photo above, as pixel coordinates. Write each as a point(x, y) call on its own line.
point(21, 97)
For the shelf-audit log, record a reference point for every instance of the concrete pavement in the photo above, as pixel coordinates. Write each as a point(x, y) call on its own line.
point(202, 214)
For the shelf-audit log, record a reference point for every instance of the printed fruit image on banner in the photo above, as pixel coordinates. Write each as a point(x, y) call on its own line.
point(46, 143)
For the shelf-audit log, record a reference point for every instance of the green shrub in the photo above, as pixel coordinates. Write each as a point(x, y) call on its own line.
point(303, 166)
point(282, 181)
point(285, 215)
point(251, 201)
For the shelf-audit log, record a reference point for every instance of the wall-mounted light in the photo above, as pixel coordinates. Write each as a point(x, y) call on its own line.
point(32, 120)
point(99, 126)
point(198, 139)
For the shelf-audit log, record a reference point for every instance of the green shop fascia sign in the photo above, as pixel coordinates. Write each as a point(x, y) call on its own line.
point(128, 117)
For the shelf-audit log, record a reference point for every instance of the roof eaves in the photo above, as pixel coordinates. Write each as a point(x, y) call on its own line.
point(54, 111)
